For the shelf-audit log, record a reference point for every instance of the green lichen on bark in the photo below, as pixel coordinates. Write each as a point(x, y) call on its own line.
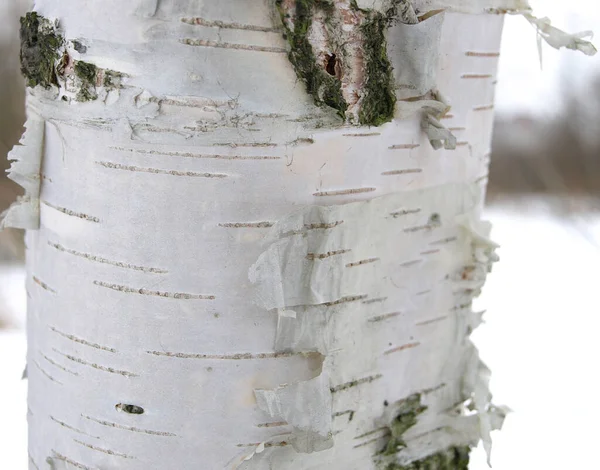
point(406, 413)
point(88, 74)
point(45, 61)
point(453, 458)
point(324, 88)
point(405, 418)
point(379, 98)
point(91, 76)
point(40, 50)
point(327, 60)
point(112, 79)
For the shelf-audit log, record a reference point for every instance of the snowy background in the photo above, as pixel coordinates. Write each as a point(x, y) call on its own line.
point(540, 335)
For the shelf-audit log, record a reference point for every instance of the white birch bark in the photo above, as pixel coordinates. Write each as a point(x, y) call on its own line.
point(267, 285)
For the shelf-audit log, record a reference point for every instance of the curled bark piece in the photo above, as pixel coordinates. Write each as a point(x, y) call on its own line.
point(306, 406)
point(25, 171)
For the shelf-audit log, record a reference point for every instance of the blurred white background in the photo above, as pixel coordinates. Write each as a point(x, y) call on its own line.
point(542, 320)
point(526, 88)
point(542, 315)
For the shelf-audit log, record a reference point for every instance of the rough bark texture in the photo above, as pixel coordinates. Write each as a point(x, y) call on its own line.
point(227, 275)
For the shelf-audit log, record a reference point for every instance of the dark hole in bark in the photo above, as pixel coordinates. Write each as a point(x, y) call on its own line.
point(330, 65)
point(131, 409)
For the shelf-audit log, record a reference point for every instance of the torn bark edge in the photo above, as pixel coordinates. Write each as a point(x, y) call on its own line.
point(432, 106)
point(25, 170)
point(553, 36)
point(307, 407)
point(490, 417)
point(558, 39)
point(475, 418)
point(237, 462)
point(484, 248)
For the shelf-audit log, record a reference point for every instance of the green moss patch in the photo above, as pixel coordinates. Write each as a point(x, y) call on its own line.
point(45, 61)
point(379, 97)
point(323, 87)
point(405, 418)
point(88, 74)
point(454, 458)
point(112, 79)
point(40, 50)
point(324, 80)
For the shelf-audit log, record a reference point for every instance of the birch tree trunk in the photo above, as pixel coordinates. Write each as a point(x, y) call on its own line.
point(243, 249)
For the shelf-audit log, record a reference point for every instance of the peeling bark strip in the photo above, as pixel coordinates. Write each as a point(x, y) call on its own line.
point(340, 52)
